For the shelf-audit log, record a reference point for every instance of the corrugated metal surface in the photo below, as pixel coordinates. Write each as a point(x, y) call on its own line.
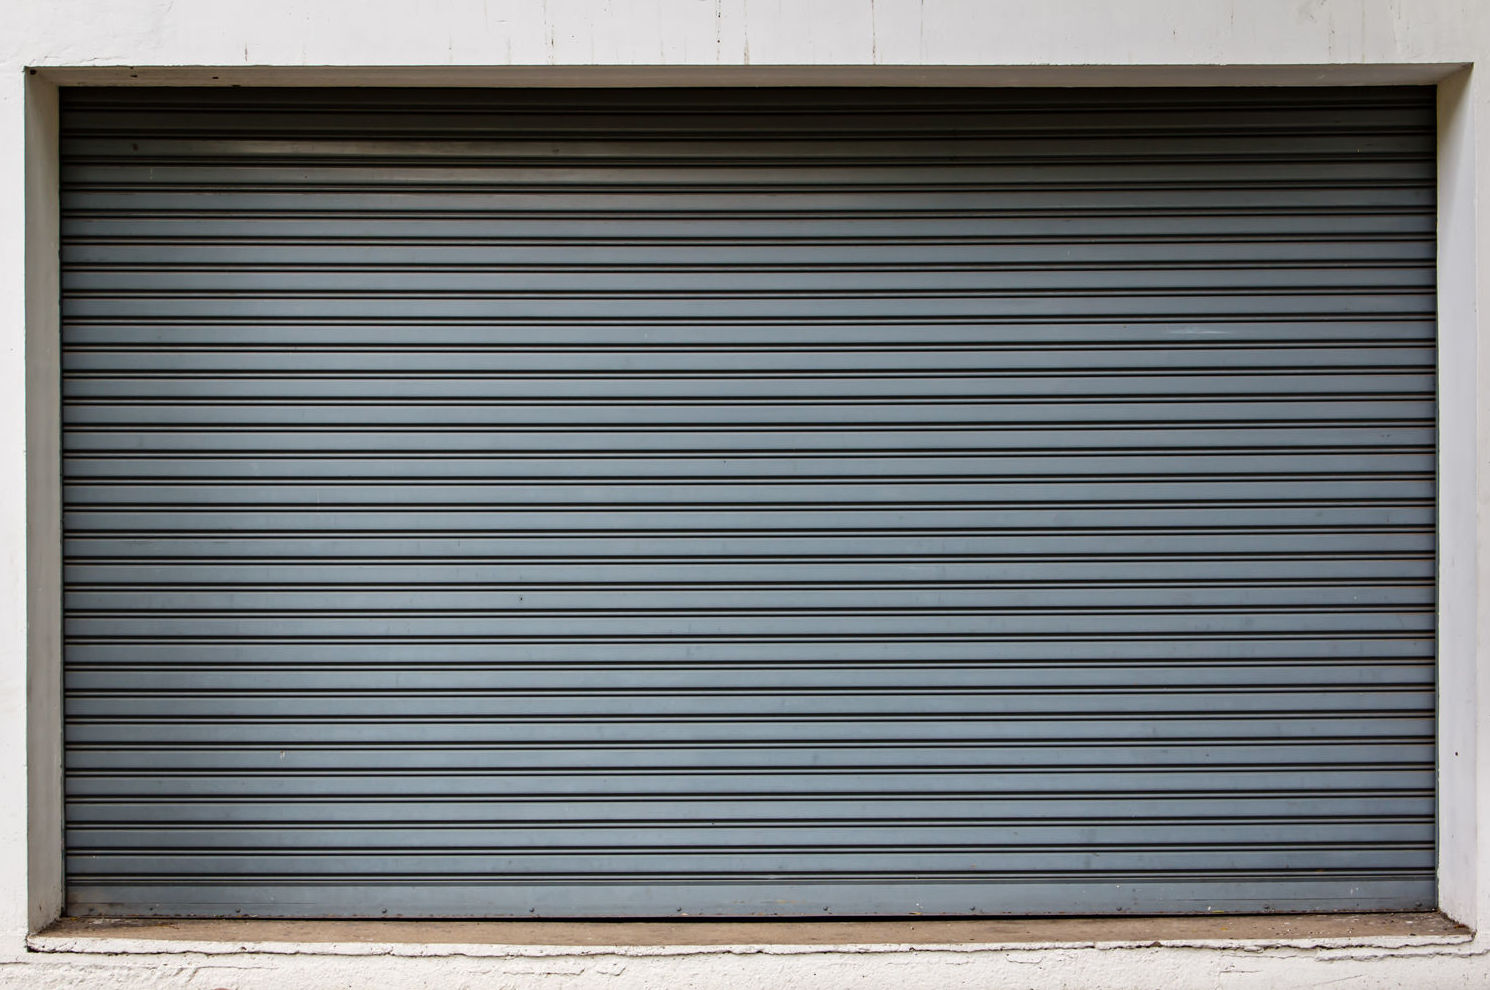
point(740, 503)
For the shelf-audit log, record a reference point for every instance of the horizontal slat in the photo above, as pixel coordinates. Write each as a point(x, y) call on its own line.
point(241, 170)
point(617, 232)
point(577, 787)
point(489, 549)
point(908, 338)
point(746, 597)
point(671, 864)
point(760, 439)
point(802, 653)
point(738, 523)
point(643, 123)
point(144, 255)
point(818, 114)
point(736, 143)
point(1053, 303)
point(374, 758)
point(182, 361)
point(986, 621)
point(968, 200)
point(421, 898)
point(1306, 139)
point(1077, 494)
point(1351, 383)
point(828, 839)
point(1263, 724)
point(764, 704)
point(1022, 465)
point(743, 674)
point(838, 811)
point(385, 573)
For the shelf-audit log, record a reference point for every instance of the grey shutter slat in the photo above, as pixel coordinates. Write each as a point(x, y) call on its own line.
point(741, 503)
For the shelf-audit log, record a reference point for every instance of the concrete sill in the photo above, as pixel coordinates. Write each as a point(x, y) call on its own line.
point(550, 938)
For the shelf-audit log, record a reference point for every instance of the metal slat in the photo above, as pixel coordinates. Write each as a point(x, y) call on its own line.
point(905, 338)
point(181, 361)
point(754, 597)
point(1344, 832)
point(885, 386)
point(1005, 494)
point(763, 786)
point(142, 757)
point(1219, 466)
point(1049, 304)
point(966, 894)
point(106, 257)
point(728, 521)
point(602, 732)
point(623, 231)
point(558, 651)
point(701, 812)
point(292, 574)
point(671, 864)
point(631, 503)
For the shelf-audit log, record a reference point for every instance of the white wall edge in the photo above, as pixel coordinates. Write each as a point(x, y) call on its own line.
point(43, 507)
point(1459, 816)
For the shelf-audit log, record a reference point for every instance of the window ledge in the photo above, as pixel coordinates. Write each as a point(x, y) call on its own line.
point(568, 938)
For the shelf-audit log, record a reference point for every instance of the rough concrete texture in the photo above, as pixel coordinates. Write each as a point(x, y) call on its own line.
point(1360, 951)
point(1089, 968)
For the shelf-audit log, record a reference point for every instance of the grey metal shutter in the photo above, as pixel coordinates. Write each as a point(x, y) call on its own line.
point(748, 503)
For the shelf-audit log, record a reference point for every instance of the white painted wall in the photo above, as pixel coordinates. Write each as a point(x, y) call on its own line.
point(740, 32)
point(1019, 967)
point(630, 42)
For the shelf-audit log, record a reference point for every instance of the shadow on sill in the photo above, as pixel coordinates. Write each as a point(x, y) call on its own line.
point(145, 935)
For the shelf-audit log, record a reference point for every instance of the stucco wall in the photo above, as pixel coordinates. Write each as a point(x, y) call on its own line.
point(1127, 967)
point(546, 42)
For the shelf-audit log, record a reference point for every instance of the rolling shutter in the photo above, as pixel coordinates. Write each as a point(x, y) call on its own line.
point(737, 503)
